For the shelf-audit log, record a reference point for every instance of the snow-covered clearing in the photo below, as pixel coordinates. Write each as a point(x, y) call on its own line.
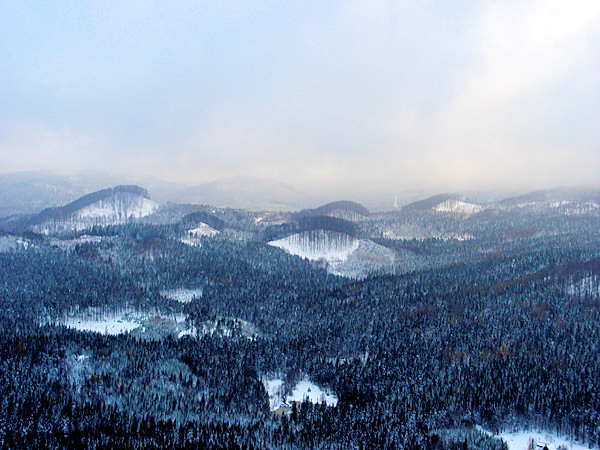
point(303, 390)
point(343, 254)
point(112, 324)
point(182, 295)
point(330, 246)
point(147, 324)
point(520, 439)
point(457, 206)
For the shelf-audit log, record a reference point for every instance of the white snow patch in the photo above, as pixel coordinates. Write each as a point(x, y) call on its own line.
point(457, 206)
point(193, 237)
point(307, 390)
point(119, 322)
point(304, 390)
point(116, 210)
point(520, 439)
point(182, 295)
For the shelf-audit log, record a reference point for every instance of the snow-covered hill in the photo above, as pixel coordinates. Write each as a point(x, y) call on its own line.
point(114, 206)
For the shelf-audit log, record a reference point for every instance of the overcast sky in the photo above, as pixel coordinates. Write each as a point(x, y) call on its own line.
point(318, 94)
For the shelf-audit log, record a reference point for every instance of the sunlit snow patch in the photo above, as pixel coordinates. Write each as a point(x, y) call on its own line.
point(520, 440)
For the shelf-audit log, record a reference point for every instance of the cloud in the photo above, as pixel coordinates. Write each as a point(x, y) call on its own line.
point(380, 95)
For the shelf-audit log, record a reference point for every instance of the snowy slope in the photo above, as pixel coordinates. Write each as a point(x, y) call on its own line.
point(343, 254)
point(458, 206)
point(319, 245)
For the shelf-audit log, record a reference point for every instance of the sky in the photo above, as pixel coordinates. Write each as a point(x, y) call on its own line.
point(323, 95)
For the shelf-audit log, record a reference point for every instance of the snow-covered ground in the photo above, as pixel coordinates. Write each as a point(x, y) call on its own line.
point(344, 255)
point(520, 439)
point(118, 208)
point(109, 324)
point(457, 206)
point(330, 246)
point(307, 390)
point(304, 390)
point(194, 236)
point(203, 230)
point(182, 295)
point(128, 321)
point(274, 388)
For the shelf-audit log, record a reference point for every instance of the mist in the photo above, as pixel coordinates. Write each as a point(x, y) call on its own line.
point(343, 97)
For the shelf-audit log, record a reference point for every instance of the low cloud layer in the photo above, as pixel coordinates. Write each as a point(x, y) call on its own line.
point(322, 95)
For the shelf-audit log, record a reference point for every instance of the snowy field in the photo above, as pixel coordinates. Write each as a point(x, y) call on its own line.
point(519, 440)
point(182, 295)
point(304, 390)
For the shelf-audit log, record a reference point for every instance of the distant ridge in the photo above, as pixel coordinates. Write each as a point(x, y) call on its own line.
point(431, 202)
point(311, 223)
point(343, 209)
point(552, 195)
point(250, 193)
